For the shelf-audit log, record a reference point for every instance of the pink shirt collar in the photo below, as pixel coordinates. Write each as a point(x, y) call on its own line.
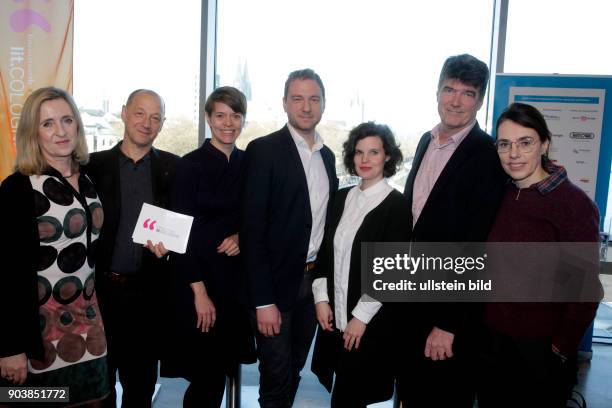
point(456, 138)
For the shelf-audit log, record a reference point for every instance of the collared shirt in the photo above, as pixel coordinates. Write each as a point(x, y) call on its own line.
point(557, 175)
point(136, 189)
point(434, 161)
point(318, 187)
point(358, 204)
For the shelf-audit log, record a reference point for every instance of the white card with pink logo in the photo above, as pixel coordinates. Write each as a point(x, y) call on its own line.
point(159, 225)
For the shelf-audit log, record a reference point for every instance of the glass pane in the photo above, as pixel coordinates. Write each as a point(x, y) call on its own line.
point(372, 57)
point(120, 46)
point(572, 38)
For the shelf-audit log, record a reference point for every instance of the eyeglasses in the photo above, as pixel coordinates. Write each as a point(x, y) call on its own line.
point(524, 145)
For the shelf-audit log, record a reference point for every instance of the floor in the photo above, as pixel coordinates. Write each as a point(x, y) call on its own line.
point(595, 378)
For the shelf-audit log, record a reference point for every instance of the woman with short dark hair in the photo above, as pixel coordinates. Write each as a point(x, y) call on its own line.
point(214, 334)
point(354, 338)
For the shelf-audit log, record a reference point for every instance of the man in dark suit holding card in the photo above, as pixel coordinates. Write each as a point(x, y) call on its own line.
point(290, 180)
point(129, 276)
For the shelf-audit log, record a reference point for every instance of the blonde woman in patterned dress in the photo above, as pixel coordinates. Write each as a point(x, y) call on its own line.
point(52, 332)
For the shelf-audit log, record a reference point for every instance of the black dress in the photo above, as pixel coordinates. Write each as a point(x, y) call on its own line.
point(207, 186)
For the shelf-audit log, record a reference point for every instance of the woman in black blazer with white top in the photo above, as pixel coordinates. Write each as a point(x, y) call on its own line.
point(354, 340)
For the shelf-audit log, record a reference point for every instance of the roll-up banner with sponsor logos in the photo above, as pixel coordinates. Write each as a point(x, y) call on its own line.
point(578, 111)
point(35, 51)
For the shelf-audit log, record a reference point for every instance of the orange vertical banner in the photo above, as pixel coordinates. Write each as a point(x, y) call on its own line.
point(36, 38)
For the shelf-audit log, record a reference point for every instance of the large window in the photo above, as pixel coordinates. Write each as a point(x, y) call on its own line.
point(548, 36)
point(120, 46)
point(379, 61)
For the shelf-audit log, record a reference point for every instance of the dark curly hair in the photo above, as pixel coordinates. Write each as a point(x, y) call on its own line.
point(390, 147)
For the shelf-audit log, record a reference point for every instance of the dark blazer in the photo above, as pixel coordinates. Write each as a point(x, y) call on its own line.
point(18, 277)
point(276, 218)
point(461, 206)
point(373, 374)
point(19, 303)
point(103, 169)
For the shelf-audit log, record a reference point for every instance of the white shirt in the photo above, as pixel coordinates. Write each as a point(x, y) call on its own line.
point(358, 204)
point(318, 187)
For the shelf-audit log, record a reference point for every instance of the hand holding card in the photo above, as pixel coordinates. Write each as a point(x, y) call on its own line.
point(158, 225)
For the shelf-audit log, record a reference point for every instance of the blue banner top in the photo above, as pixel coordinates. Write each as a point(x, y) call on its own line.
point(556, 99)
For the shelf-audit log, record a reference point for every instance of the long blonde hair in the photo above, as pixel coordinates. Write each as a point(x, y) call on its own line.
point(29, 159)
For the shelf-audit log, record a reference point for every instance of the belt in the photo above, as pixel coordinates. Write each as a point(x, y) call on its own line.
point(120, 278)
point(309, 266)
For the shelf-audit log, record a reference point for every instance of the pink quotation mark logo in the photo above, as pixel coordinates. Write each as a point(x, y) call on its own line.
point(150, 226)
point(20, 20)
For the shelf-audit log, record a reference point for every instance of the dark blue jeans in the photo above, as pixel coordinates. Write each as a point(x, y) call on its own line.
point(282, 357)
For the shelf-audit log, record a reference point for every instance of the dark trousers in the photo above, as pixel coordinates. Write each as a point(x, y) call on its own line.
point(348, 389)
point(424, 383)
point(521, 372)
point(356, 377)
point(438, 384)
point(345, 394)
point(206, 391)
point(282, 357)
point(131, 333)
point(208, 374)
point(364, 376)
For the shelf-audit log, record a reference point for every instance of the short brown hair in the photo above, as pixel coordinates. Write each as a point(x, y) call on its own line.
point(29, 159)
point(228, 95)
point(304, 74)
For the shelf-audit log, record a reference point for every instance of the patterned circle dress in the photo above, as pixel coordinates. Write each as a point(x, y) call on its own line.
point(69, 224)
